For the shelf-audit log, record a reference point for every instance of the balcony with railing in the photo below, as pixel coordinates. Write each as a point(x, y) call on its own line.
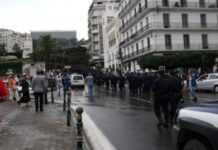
point(175, 48)
point(191, 47)
point(158, 6)
point(173, 26)
point(177, 25)
point(135, 54)
point(128, 7)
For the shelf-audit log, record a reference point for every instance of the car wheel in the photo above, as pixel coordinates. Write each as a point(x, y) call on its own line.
point(195, 144)
point(215, 89)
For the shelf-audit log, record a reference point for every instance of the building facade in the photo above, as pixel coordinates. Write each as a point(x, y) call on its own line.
point(166, 26)
point(111, 46)
point(10, 38)
point(101, 13)
point(27, 45)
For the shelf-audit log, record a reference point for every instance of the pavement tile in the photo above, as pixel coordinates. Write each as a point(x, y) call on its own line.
point(27, 130)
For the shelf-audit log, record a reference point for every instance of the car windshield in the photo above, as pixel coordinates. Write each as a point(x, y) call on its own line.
point(77, 78)
point(203, 77)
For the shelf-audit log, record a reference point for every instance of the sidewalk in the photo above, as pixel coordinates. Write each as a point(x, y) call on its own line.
point(23, 129)
point(6, 108)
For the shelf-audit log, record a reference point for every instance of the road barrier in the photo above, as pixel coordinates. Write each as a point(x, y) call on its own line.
point(89, 136)
point(69, 108)
point(52, 95)
point(64, 100)
point(79, 128)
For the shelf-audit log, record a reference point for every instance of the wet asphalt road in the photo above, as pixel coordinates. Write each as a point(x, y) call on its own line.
point(128, 124)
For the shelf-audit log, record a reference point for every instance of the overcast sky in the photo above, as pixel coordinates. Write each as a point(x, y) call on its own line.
point(28, 15)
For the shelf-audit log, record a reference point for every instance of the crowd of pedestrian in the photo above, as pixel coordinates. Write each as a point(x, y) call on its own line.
point(166, 89)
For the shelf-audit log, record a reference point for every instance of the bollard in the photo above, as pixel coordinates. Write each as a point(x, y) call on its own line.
point(79, 126)
point(52, 95)
point(69, 108)
point(64, 101)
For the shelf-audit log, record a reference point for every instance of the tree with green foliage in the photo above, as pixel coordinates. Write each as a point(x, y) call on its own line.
point(77, 56)
point(44, 50)
point(55, 57)
point(18, 51)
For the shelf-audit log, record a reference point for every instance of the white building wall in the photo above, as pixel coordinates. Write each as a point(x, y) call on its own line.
point(101, 13)
point(28, 46)
point(111, 51)
point(178, 42)
point(10, 38)
point(157, 35)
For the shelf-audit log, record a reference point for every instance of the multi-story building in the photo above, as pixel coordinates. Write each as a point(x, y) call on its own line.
point(27, 45)
point(101, 12)
point(10, 38)
point(64, 39)
point(166, 26)
point(111, 46)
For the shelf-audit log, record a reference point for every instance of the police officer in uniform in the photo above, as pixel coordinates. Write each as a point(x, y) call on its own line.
point(176, 87)
point(161, 96)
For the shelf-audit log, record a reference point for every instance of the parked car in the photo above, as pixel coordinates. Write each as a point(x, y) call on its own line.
point(197, 127)
point(208, 82)
point(77, 80)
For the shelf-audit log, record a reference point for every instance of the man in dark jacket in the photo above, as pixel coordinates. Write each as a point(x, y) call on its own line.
point(121, 82)
point(161, 96)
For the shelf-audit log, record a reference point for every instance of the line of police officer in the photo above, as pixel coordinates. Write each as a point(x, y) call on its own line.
point(166, 90)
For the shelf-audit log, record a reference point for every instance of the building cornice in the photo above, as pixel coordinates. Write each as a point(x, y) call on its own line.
point(157, 28)
point(139, 16)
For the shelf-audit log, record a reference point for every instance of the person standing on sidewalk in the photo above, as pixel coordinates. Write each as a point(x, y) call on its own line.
point(25, 91)
point(66, 86)
point(12, 87)
point(59, 83)
point(89, 83)
point(3, 91)
point(38, 86)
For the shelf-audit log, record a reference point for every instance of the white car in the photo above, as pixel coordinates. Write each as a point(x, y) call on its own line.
point(77, 80)
point(208, 82)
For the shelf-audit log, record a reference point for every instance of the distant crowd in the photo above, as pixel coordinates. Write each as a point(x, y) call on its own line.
point(167, 88)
